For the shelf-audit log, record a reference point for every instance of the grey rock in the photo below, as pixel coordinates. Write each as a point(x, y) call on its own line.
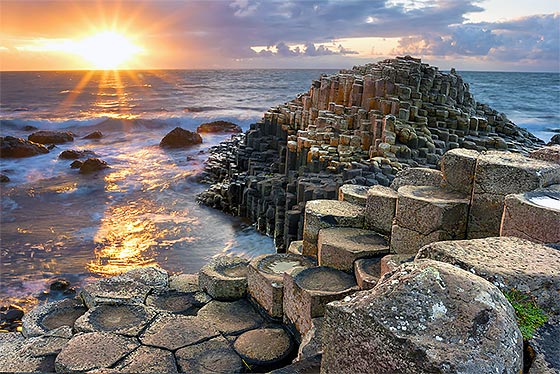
point(231, 318)
point(115, 290)
point(426, 317)
point(417, 177)
point(212, 356)
point(123, 319)
point(250, 347)
point(71, 154)
point(51, 316)
point(224, 278)
point(147, 360)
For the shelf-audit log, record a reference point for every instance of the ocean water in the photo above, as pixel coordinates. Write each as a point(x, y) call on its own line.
point(142, 211)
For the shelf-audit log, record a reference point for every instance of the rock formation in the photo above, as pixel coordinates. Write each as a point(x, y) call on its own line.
point(179, 138)
point(17, 147)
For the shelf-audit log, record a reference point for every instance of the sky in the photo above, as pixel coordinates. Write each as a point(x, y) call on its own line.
point(491, 35)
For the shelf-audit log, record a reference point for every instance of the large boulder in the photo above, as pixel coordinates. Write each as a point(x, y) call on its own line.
point(18, 147)
point(179, 138)
point(51, 137)
point(426, 317)
point(218, 126)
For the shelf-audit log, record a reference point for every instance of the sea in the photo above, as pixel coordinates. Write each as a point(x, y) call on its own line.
point(56, 223)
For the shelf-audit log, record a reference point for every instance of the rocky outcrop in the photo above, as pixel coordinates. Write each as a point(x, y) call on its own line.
point(51, 137)
point(180, 138)
point(92, 165)
point(403, 325)
point(17, 148)
point(218, 126)
point(71, 154)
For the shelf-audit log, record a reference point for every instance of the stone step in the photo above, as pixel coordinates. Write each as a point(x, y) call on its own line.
point(224, 278)
point(532, 215)
point(265, 278)
point(339, 247)
point(353, 193)
point(380, 209)
point(308, 292)
point(427, 214)
point(320, 214)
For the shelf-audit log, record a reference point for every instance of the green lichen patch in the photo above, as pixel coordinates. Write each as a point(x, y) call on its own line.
point(529, 316)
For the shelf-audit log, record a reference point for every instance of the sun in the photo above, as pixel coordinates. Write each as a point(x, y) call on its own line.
point(107, 50)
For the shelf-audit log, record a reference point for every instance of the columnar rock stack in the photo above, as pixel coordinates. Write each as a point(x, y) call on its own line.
point(360, 126)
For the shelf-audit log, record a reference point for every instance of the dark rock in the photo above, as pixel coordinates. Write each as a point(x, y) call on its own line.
point(309, 365)
point(4, 178)
point(59, 285)
point(92, 165)
point(29, 128)
point(76, 164)
point(94, 135)
point(71, 154)
point(17, 147)
point(555, 140)
point(51, 137)
point(545, 346)
point(179, 138)
point(426, 317)
point(218, 126)
point(13, 315)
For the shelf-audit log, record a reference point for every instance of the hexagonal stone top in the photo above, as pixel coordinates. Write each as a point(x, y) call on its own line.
point(120, 319)
point(275, 265)
point(433, 195)
point(250, 346)
point(50, 316)
point(324, 279)
point(544, 199)
point(231, 318)
point(333, 208)
point(354, 240)
point(227, 267)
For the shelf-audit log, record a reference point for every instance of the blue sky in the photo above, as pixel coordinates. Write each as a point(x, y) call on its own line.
point(501, 35)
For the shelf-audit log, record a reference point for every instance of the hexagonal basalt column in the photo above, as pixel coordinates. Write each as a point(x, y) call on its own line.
point(126, 320)
point(367, 272)
point(321, 214)
point(427, 214)
point(339, 247)
point(532, 215)
point(224, 278)
point(50, 316)
point(353, 193)
point(380, 209)
point(308, 292)
point(265, 278)
point(458, 167)
point(499, 174)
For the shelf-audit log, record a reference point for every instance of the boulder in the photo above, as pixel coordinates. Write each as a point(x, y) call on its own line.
point(76, 164)
point(92, 165)
point(179, 138)
point(94, 135)
point(51, 137)
point(426, 317)
point(507, 262)
point(224, 278)
point(71, 154)
point(213, 356)
point(93, 350)
point(218, 126)
point(17, 148)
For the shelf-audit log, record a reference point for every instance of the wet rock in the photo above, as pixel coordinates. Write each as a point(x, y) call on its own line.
point(94, 135)
point(339, 247)
point(265, 279)
point(76, 164)
point(115, 290)
point(51, 137)
point(507, 262)
point(308, 292)
point(305, 366)
point(231, 318)
point(261, 356)
point(93, 350)
point(218, 126)
point(555, 140)
point(212, 356)
point(59, 285)
point(177, 331)
point(92, 165)
point(29, 128)
point(426, 317)
point(172, 301)
point(147, 360)
point(179, 138)
point(224, 278)
point(126, 320)
point(4, 178)
point(71, 154)
point(11, 147)
point(50, 316)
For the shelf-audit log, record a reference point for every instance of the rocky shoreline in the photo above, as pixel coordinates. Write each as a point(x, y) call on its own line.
point(420, 231)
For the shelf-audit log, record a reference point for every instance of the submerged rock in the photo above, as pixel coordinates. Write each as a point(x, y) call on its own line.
point(51, 137)
point(4, 178)
point(218, 126)
point(179, 138)
point(17, 147)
